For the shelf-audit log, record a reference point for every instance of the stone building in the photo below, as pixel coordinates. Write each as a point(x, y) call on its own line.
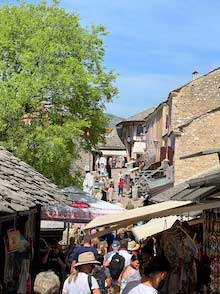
point(156, 128)
point(193, 119)
point(132, 133)
point(199, 134)
point(186, 123)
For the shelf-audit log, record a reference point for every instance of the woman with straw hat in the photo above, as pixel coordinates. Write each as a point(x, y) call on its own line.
point(79, 281)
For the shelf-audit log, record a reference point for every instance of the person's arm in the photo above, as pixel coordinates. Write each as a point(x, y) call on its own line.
point(61, 263)
point(108, 282)
point(45, 258)
point(94, 287)
point(123, 275)
point(96, 291)
point(72, 266)
point(107, 263)
point(108, 279)
point(73, 258)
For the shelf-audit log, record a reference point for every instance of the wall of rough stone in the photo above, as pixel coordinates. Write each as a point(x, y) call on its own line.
point(197, 97)
point(78, 165)
point(200, 135)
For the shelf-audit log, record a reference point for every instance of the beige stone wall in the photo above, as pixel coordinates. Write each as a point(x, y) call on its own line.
point(78, 165)
point(197, 97)
point(201, 135)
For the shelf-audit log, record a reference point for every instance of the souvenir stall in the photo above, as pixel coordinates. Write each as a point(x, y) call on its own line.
point(82, 209)
point(177, 245)
point(173, 237)
point(17, 239)
point(211, 247)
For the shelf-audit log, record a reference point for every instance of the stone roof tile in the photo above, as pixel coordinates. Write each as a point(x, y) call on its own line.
point(21, 187)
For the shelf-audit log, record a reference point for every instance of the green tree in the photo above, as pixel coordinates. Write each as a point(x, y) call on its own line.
point(53, 86)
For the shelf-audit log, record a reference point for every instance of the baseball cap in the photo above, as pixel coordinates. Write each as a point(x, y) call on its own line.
point(115, 245)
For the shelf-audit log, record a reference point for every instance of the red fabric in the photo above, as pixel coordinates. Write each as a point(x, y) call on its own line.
point(121, 184)
point(79, 204)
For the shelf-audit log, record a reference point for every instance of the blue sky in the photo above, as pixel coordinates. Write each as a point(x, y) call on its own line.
point(154, 45)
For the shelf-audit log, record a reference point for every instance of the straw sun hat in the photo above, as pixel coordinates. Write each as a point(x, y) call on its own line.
point(86, 258)
point(132, 246)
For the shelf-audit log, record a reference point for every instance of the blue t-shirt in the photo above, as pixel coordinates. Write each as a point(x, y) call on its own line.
point(81, 249)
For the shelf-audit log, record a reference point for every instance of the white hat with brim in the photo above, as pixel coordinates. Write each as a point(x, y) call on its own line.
point(86, 258)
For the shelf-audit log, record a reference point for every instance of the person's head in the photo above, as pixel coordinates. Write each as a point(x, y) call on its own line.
point(55, 246)
point(147, 254)
point(100, 258)
point(86, 240)
point(135, 261)
point(123, 244)
point(95, 242)
point(133, 246)
point(47, 283)
point(72, 240)
point(115, 245)
point(86, 262)
point(156, 271)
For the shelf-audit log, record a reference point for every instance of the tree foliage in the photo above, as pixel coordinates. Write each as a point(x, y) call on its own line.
point(53, 86)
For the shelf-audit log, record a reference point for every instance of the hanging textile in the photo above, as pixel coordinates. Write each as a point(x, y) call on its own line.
point(180, 250)
point(212, 226)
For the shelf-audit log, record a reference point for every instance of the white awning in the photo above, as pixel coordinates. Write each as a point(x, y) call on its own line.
point(139, 147)
point(135, 215)
point(114, 153)
point(162, 209)
point(156, 225)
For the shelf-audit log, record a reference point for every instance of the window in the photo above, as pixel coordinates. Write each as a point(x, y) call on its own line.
point(140, 130)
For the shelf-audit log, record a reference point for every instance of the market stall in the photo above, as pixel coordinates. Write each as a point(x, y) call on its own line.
point(83, 209)
point(22, 193)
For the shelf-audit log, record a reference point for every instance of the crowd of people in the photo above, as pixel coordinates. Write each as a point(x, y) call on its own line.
point(100, 266)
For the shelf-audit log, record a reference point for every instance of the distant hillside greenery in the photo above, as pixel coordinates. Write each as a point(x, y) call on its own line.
point(113, 120)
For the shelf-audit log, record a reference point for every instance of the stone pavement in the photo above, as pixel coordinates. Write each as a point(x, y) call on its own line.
point(123, 200)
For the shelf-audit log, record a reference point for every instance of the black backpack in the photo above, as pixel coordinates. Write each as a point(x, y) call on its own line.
point(99, 274)
point(116, 266)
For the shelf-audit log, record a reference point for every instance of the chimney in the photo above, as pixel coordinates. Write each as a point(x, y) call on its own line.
point(195, 75)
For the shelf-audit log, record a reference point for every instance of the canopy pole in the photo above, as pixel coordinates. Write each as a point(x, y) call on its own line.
point(68, 233)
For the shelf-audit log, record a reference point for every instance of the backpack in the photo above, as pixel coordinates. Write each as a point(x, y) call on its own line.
point(116, 266)
point(99, 274)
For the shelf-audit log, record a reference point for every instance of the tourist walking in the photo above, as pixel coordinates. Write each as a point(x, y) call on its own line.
point(80, 281)
point(131, 272)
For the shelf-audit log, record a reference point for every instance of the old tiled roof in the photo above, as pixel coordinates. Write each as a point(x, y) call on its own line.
point(112, 141)
point(141, 115)
point(21, 187)
point(195, 188)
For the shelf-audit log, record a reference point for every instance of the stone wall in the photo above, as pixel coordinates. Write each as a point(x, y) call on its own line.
point(195, 98)
point(200, 135)
point(78, 165)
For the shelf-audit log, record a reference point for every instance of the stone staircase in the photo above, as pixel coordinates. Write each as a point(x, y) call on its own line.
point(144, 177)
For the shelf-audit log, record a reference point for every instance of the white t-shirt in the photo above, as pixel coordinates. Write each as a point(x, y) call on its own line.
point(126, 255)
point(143, 289)
point(130, 286)
point(102, 160)
point(80, 286)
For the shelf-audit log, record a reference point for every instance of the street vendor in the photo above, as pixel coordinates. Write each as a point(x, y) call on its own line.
point(55, 260)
